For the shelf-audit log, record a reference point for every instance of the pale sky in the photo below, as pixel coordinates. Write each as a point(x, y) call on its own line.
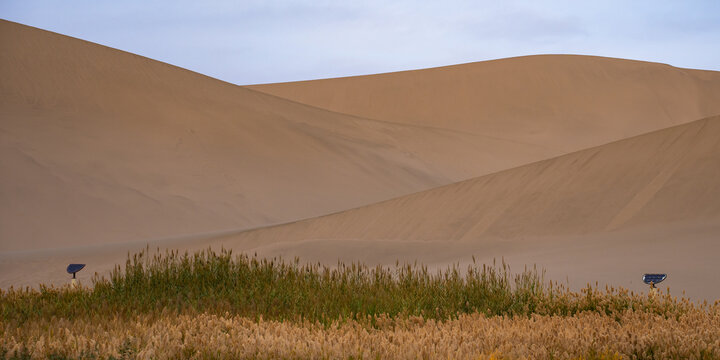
point(247, 42)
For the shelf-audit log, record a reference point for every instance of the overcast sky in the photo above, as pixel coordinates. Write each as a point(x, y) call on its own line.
point(246, 42)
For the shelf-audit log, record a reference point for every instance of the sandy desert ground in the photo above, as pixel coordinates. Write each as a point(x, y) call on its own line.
point(596, 169)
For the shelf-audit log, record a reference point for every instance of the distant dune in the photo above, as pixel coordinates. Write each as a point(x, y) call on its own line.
point(595, 168)
point(562, 102)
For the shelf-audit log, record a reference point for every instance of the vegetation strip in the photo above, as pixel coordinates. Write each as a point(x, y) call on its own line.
point(215, 305)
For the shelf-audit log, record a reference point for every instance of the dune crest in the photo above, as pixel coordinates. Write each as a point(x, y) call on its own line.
point(101, 146)
point(563, 102)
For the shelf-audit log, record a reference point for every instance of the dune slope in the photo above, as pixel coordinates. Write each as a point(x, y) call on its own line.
point(661, 177)
point(100, 146)
point(650, 202)
point(646, 204)
point(564, 102)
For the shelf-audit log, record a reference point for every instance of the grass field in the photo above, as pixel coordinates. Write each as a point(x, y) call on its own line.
point(219, 305)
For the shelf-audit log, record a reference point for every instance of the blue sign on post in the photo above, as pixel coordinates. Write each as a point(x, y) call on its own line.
point(73, 268)
point(654, 279)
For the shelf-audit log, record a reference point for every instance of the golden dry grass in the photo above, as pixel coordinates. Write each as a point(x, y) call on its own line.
point(631, 335)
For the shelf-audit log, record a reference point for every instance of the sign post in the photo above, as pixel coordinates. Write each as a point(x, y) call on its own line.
point(72, 269)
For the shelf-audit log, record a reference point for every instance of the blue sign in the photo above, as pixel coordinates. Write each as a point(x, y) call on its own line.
point(73, 268)
point(654, 278)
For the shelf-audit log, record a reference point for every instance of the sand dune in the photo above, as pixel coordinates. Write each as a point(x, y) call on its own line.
point(646, 204)
point(662, 177)
point(650, 202)
point(102, 146)
point(564, 102)
point(105, 146)
point(594, 168)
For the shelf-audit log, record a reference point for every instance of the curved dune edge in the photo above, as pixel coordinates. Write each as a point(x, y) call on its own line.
point(646, 204)
point(565, 102)
point(101, 146)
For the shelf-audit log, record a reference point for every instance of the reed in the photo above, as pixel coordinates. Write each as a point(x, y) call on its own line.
point(169, 299)
point(589, 335)
point(275, 289)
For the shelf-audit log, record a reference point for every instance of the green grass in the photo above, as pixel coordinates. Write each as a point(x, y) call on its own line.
point(275, 289)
